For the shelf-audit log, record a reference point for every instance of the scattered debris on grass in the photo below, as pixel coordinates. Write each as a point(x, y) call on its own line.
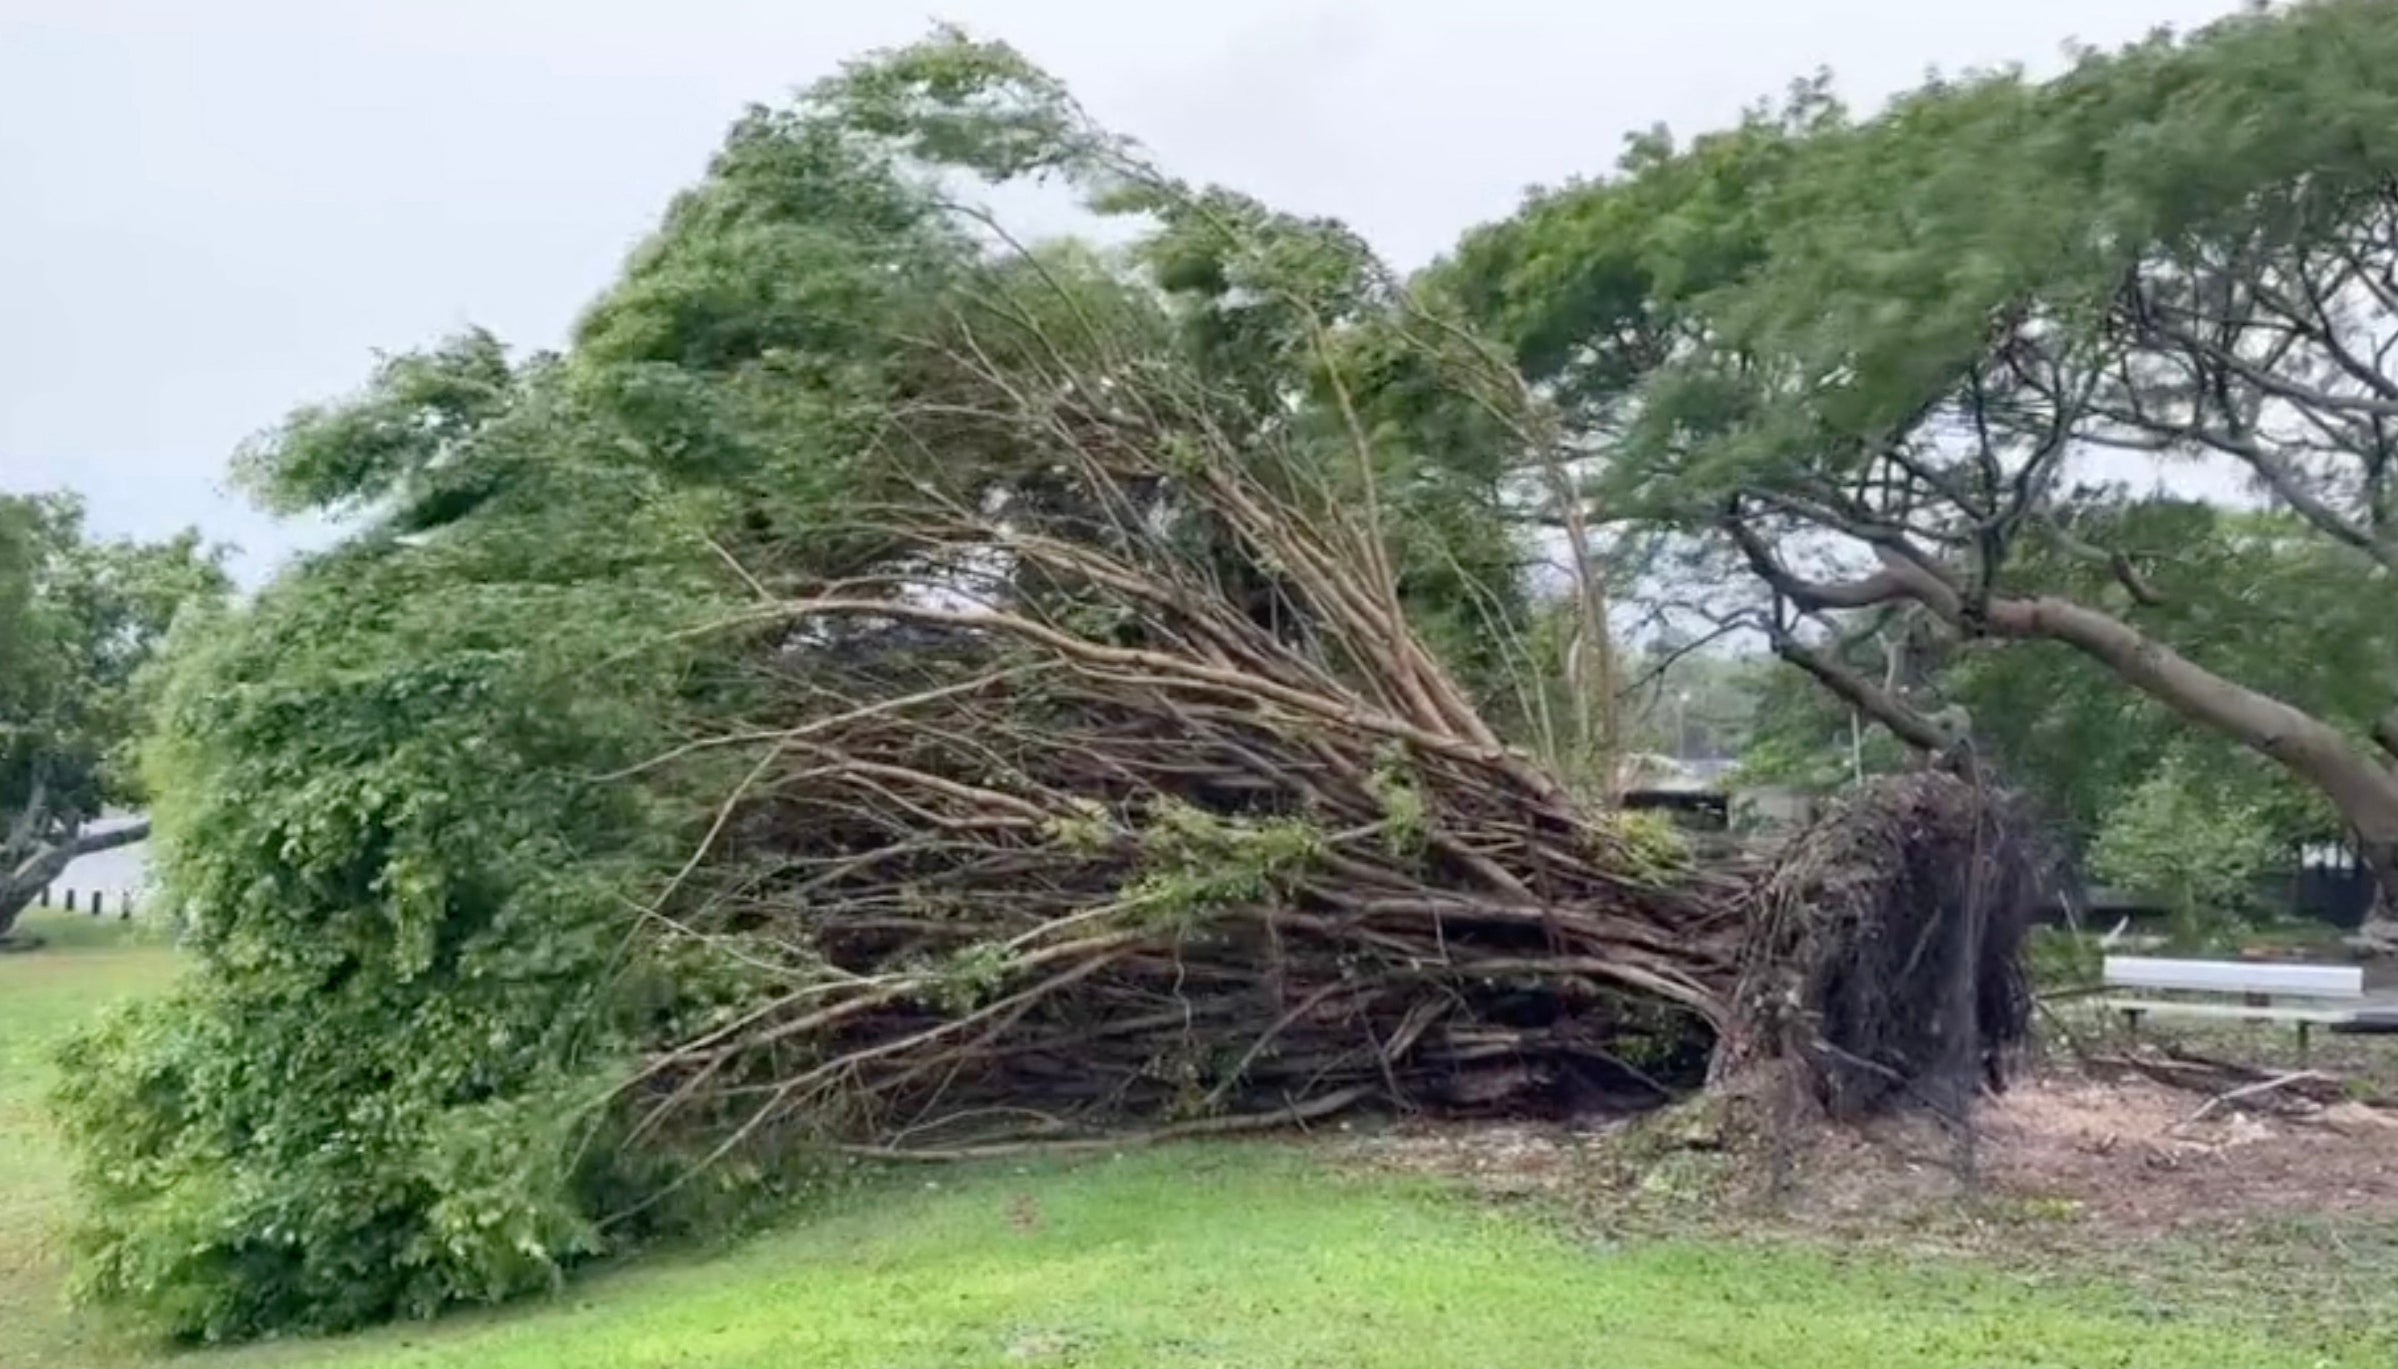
point(2123, 1151)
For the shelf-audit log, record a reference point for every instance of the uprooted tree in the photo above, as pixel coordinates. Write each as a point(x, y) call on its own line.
point(1899, 376)
point(78, 619)
point(892, 689)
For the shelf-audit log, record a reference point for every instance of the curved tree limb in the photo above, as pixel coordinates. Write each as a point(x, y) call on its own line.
point(1909, 725)
point(2143, 591)
point(33, 873)
point(2365, 791)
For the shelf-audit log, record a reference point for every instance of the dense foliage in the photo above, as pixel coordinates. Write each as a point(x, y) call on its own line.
point(404, 899)
point(414, 905)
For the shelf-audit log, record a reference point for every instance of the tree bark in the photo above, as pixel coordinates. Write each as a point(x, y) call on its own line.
point(2360, 785)
point(21, 885)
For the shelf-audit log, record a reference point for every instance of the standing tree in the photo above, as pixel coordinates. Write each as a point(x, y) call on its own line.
point(1892, 370)
point(78, 619)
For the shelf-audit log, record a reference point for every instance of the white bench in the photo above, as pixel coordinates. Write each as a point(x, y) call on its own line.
point(2302, 994)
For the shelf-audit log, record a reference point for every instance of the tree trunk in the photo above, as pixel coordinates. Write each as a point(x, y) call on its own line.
point(2380, 930)
point(21, 886)
point(2360, 784)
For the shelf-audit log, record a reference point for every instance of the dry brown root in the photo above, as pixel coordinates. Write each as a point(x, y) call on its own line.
point(1887, 951)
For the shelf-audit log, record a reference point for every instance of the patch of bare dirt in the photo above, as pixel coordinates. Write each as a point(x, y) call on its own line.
point(2125, 1154)
point(2129, 1153)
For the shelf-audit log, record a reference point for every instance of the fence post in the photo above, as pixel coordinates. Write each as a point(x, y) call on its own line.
point(96, 897)
point(45, 895)
point(70, 900)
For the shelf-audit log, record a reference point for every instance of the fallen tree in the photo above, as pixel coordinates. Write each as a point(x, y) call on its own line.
point(886, 688)
point(1134, 802)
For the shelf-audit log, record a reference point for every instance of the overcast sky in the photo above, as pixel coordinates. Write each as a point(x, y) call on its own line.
point(216, 210)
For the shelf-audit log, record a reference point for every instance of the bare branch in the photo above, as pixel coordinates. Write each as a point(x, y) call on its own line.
point(1874, 701)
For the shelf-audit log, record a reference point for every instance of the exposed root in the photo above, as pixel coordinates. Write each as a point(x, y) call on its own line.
point(1887, 951)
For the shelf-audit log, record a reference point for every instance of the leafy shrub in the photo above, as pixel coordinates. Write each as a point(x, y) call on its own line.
point(414, 901)
point(406, 901)
point(2199, 848)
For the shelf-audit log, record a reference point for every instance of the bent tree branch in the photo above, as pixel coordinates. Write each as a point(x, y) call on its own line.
point(22, 883)
point(1908, 724)
point(2363, 787)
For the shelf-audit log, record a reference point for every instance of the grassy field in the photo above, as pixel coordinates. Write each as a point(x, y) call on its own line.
point(1227, 1256)
point(43, 994)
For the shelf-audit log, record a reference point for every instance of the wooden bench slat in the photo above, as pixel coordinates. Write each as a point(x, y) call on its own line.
point(2242, 1012)
point(2235, 976)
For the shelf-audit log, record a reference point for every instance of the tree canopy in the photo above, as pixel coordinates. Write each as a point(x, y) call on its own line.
point(1896, 376)
point(79, 619)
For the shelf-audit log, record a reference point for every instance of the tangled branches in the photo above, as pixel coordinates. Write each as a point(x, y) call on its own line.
point(1060, 830)
point(1118, 790)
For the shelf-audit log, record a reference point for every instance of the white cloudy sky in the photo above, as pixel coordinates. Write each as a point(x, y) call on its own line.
point(215, 210)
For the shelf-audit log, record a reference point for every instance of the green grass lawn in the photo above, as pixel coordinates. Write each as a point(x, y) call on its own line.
point(43, 993)
point(1222, 1255)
